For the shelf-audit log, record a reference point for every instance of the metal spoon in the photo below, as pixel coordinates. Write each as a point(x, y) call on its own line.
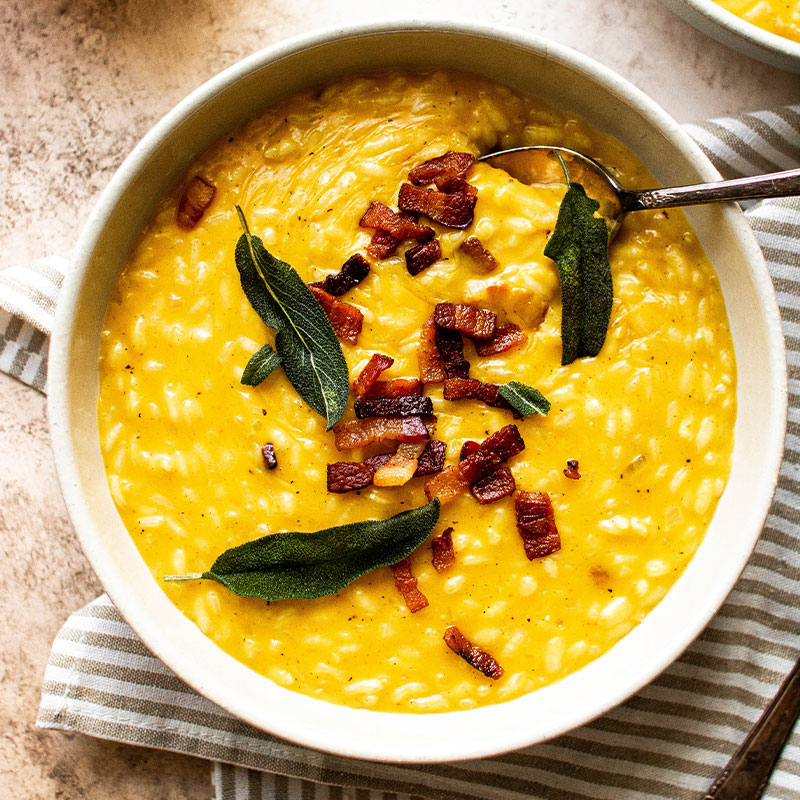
point(539, 165)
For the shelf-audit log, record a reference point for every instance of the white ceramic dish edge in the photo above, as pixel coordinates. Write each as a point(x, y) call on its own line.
point(342, 730)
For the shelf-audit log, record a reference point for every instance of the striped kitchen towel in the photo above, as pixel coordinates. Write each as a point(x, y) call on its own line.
point(668, 741)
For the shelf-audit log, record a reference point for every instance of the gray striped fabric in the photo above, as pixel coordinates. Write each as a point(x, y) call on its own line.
point(669, 741)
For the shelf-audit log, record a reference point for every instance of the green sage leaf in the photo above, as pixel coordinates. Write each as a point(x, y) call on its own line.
point(308, 565)
point(579, 246)
point(309, 350)
point(524, 399)
point(260, 366)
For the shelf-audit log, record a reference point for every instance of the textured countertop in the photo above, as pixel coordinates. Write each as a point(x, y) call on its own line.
point(80, 83)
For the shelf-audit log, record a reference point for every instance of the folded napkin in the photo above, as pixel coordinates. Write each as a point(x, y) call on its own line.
point(668, 741)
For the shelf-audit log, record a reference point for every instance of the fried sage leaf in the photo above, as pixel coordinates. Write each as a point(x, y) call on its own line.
point(308, 565)
point(579, 246)
point(309, 351)
point(524, 399)
point(260, 366)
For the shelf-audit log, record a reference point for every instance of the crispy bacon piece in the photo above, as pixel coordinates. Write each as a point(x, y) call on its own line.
point(345, 319)
point(455, 186)
point(478, 254)
point(492, 452)
point(194, 202)
point(361, 432)
point(431, 365)
point(396, 387)
point(413, 405)
point(443, 556)
point(476, 323)
point(382, 245)
point(353, 271)
point(400, 226)
point(475, 656)
point(468, 448)
point(347, 476)
point(432, 458)
point(268, 454)
point(376, 365)
point(421, 256)
point(451, 350)
point(452, 210)
point(494, 487)
point(406, 584)
point(401, 467)
point(506, 337)
point(536, 524)
point(450, 165)
point(571, 471)
point(471, 389)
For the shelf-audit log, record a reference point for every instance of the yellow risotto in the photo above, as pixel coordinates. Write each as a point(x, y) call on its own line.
point(649, 420)
point(776, 16)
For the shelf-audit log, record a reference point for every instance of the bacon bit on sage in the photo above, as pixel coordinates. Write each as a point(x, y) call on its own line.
point(476, 323)
point(506, 337)
point(268, 454)
point(353, 271)
point(451, 349)
point(361, 432)
point(443, 556)
point(444, 167)
point(475, 656)
point(451, 210)
point(395, 387)
point(536, 524)
point(194, 202)
point(571, 471)
point(421, 256)
point(346, 320)
point(494, 487)
point(406, 584)
point(431, 364)
point(474, 250)
point(401, 467)
point(410, 406)
point(377, 364)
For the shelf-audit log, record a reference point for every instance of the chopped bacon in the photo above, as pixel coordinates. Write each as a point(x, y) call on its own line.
point(536, 524)
point(571, 471)
point(494, 487)
point(452, 210)
point(477, 323)
point(455, 186)
point(347, 476)
point(506, 337)
point(377, 364)
point(194, 202)
point(432, 458)
point(361, 432)
point(450, 165)
point(413, 405)
point(401, 467)
point(471, 389)
point(346, 320)
point(353, 271)
point(400, 226)
point(475, 656)
point(406, 584)
point(268, 454)
point(468, 448)
point(422, 256)
point(396, 387)
point(493, 451)
point(382, 245)
point(431, 365)
point(451, 350)
point(443, 555)
point(477, 253)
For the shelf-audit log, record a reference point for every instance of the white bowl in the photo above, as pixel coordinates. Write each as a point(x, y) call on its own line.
point(737, 33)
point(524, 62)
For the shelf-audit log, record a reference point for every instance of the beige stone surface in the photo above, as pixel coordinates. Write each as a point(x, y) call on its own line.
point(80, 83)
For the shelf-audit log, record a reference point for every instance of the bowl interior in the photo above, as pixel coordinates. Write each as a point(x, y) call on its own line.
point(562, 78)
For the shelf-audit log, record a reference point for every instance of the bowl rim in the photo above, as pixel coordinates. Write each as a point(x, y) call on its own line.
point(747, 32)
point(67, 465)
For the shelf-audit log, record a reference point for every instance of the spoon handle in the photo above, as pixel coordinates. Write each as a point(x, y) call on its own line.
point(748, 771)
point(776, 184)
